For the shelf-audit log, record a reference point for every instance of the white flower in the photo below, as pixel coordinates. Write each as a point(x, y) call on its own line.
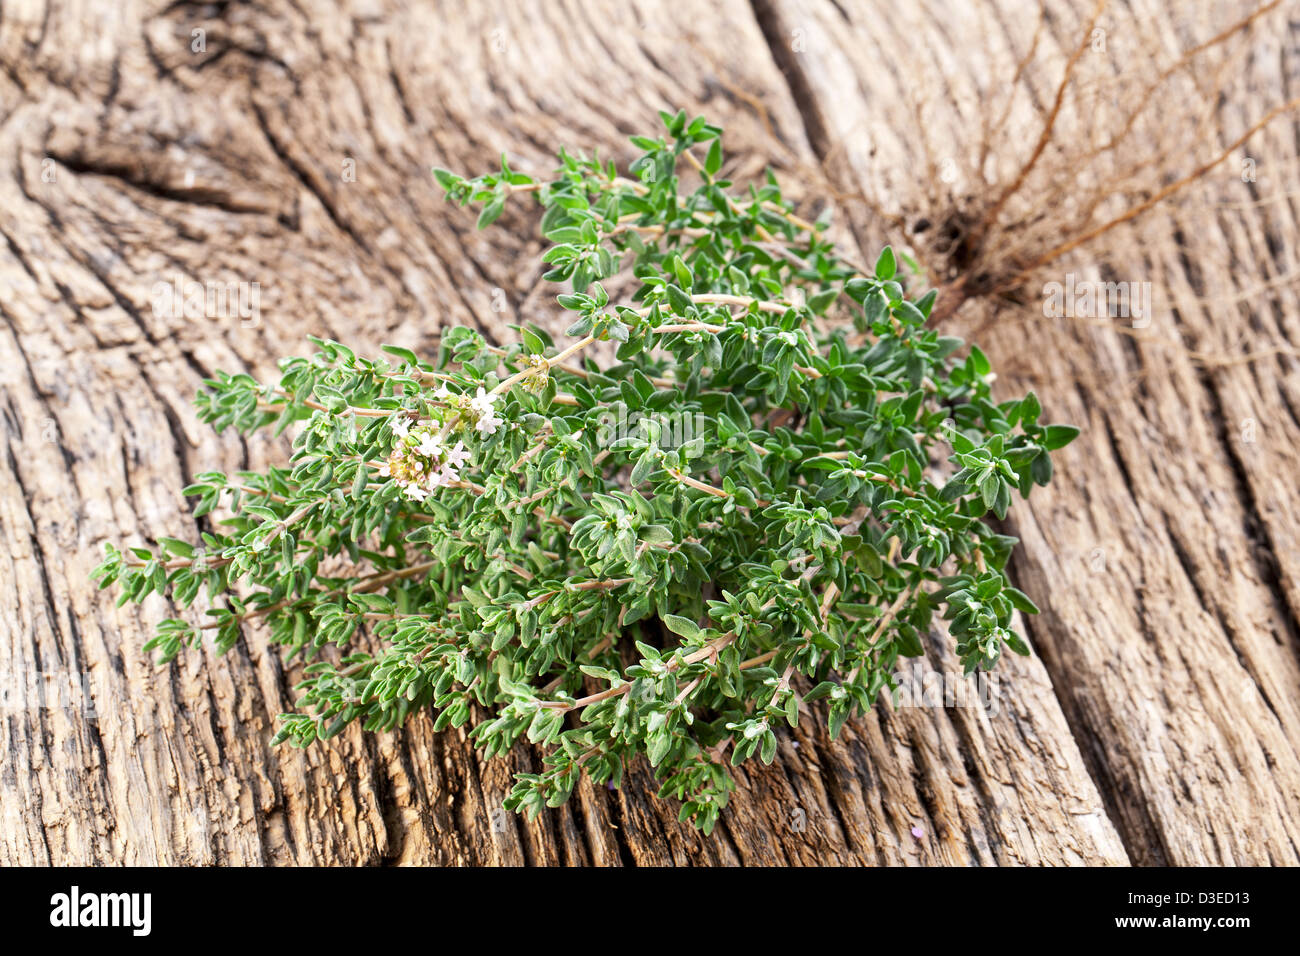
point(400, 425)
point(483, 404)
point(456, 456)
point(415, 492)
point(430, 445)
point(488, 422)
point(384, 471)
point(442, 392)
point(448, 476)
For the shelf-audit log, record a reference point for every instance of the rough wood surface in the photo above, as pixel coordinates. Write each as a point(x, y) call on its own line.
point(1157, 721)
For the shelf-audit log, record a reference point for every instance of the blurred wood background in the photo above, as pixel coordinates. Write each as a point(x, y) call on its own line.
point(289, 144)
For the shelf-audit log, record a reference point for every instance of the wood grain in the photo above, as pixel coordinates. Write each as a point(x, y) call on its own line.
point(1157, 723)
point(1164, 551)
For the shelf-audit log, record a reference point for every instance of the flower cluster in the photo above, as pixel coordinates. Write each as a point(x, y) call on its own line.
point(478, 410)
point(538, 374)
point(421, 460)
point(609, 593)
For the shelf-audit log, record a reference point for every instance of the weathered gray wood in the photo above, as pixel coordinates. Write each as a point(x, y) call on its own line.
point(229, 163)
point(1165, 553)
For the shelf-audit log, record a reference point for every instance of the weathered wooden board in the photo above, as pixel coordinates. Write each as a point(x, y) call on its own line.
point(1158, 721)
point(1165, 553)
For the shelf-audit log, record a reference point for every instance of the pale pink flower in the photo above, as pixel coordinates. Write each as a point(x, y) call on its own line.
point(489, 422)
point(456, 456)
point(430, 445)
point(483, 403)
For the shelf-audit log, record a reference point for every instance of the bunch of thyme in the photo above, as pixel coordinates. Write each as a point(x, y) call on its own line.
point(761, 499)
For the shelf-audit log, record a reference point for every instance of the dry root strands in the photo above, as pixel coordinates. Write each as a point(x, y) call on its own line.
point(1095, 116)
point(783, 474)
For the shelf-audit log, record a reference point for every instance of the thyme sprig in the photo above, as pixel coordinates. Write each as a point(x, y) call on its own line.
point(782, 476)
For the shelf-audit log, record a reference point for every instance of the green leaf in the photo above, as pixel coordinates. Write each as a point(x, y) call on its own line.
point(580, 328)
point(713, 162)
point(683, 626)
point(821, 301)
point(679, 301)
point(990, 485)
point(1058, 436)
point(1017, 644)
point(490, 212)
point(532, 342)
point(858, 289)
point(1030, 409)
point(1020, 601)
point(182, 549)
point(405, 354)
point(885, 264)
